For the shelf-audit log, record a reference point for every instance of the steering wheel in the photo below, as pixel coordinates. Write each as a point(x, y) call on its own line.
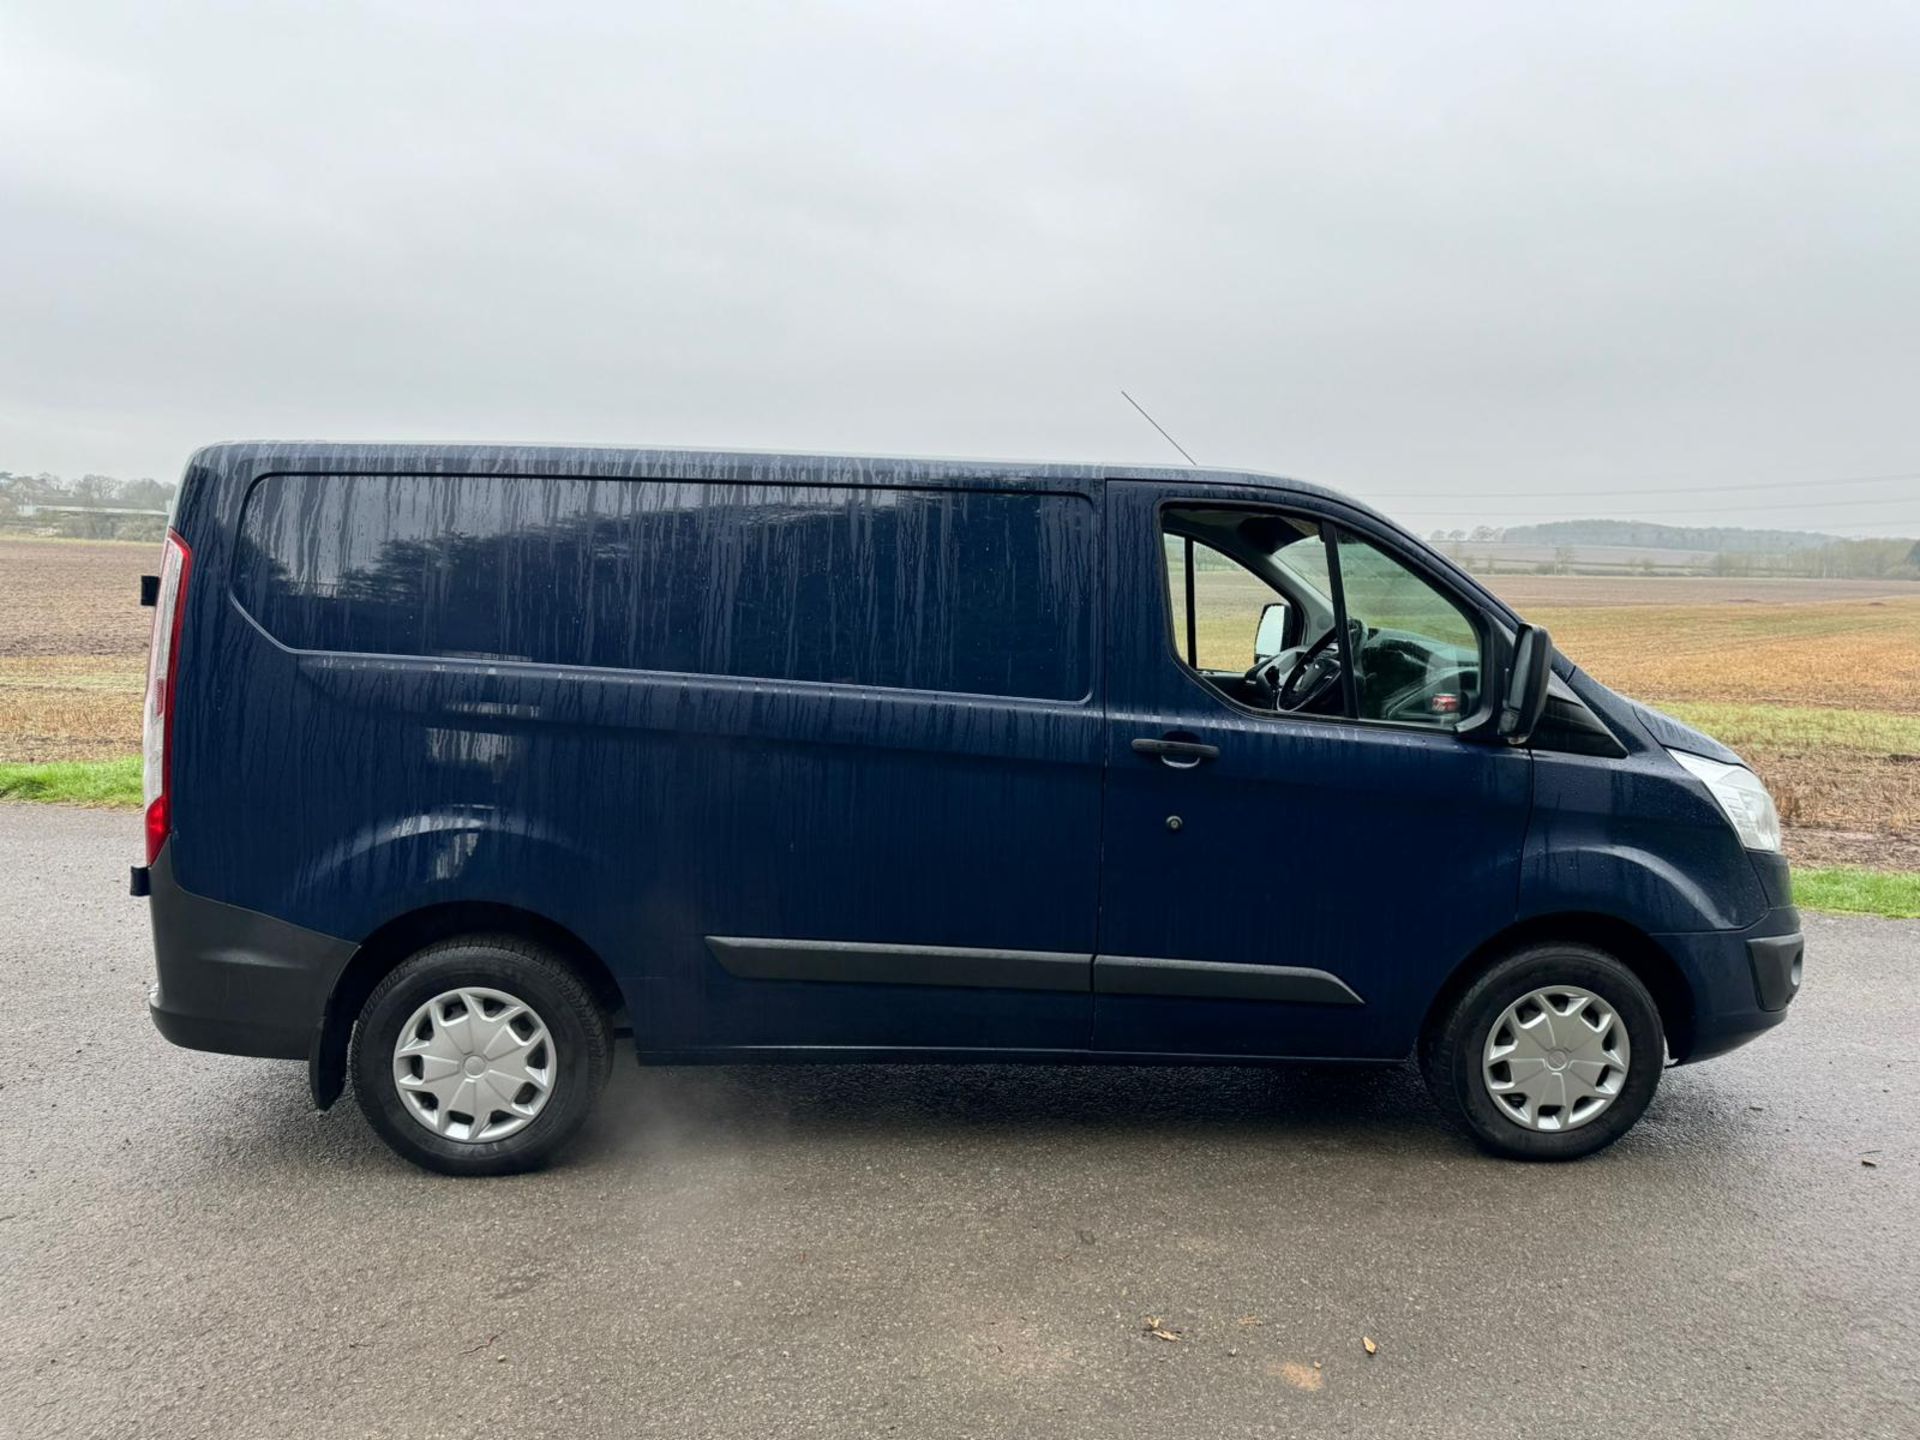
point(1264, 679)
point(1313, 675)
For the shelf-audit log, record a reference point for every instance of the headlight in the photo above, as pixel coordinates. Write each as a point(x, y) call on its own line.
point(1741, 797)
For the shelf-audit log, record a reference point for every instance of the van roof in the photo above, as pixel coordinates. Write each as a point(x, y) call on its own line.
point(794, 467)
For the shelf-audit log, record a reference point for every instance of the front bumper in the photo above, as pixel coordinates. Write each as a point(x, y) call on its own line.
point(1777, 961)
point(1742, 981)
point(234, 980)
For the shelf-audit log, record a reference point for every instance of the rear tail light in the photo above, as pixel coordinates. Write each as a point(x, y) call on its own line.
point(163, 666)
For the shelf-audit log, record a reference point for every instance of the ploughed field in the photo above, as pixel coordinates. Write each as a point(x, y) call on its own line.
point(1816, 682)
point(73, 647)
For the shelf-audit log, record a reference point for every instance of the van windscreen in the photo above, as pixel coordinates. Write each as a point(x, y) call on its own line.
point(976, 592)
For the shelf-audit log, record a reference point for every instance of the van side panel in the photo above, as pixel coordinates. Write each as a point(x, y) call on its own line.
point(1631, 838)
point(815, 773)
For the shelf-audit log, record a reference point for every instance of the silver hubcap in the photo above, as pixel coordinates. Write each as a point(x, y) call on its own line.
point(474, 1064)
point(1556, 1058)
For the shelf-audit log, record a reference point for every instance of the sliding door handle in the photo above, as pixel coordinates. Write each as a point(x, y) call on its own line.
point(1180, 754)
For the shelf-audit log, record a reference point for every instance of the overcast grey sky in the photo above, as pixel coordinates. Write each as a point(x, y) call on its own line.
point(1436, 254)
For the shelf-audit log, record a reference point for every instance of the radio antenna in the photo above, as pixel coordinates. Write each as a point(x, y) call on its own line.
point(1161, 428)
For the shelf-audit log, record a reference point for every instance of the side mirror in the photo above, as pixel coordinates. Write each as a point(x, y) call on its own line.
point(1271, 636)
point(1527, 675)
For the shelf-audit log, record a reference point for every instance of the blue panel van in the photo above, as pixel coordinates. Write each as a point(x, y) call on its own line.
point(461, 763)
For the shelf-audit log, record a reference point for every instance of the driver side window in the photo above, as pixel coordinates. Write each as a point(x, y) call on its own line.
point(1419, 655)
point(1230, 618)
point(1277, 613)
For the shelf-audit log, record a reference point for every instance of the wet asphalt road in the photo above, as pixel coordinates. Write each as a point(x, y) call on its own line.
point(186, 1248)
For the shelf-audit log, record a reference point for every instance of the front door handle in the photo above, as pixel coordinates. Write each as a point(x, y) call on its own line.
point(1180, 754)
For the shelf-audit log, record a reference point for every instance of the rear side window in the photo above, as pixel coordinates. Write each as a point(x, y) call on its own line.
point(978, 592)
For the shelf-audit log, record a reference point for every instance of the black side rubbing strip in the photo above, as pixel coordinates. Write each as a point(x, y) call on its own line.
point(1217, 980)
point(854, 963)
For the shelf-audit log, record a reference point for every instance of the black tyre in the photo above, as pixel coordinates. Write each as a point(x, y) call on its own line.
point(480, 1056)
point(1552, 1053)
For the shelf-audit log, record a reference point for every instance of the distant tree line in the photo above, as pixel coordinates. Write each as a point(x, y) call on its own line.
point(1649, 535)
point(93, 507)
point(1727, 550)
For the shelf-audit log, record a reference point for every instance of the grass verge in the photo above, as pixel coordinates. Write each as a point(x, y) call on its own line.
point(1800, 727)
point(1895, 895)
point(114, 783)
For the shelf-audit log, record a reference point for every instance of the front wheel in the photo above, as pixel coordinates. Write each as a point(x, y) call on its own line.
point(480, 1056)
point(1551, 1054)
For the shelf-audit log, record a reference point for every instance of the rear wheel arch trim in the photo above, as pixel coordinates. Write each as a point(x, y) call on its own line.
point(408, 933)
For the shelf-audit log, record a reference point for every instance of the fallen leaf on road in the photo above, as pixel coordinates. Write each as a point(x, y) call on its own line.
point(1372, 1349)
point(1156, 1326)
point(1299, 1376)
point(1251, 1320)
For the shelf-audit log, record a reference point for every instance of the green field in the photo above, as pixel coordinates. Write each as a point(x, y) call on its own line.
point(1853, 891)
point(1797, 727)
point(111, 783)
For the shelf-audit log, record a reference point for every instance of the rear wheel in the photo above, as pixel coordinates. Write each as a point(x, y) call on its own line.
point(1551, 1054)
point(480, 1056)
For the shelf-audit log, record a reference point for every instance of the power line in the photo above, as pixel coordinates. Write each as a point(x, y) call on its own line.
point(1905, 528)
point(1912, 525)
point(1909, 527)
point(1664, 489)
point(1710, 509)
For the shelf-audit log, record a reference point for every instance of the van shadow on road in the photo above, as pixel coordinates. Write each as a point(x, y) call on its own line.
point(994, 1113)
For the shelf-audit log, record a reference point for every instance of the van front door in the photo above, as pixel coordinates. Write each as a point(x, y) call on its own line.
point(1298, 846)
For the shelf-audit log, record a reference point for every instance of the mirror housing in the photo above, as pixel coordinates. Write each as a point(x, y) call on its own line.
point(1270, 637)
point(1529, 668)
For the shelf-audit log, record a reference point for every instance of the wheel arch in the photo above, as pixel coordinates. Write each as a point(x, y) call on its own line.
point(1629, 944)
point(404, 935)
